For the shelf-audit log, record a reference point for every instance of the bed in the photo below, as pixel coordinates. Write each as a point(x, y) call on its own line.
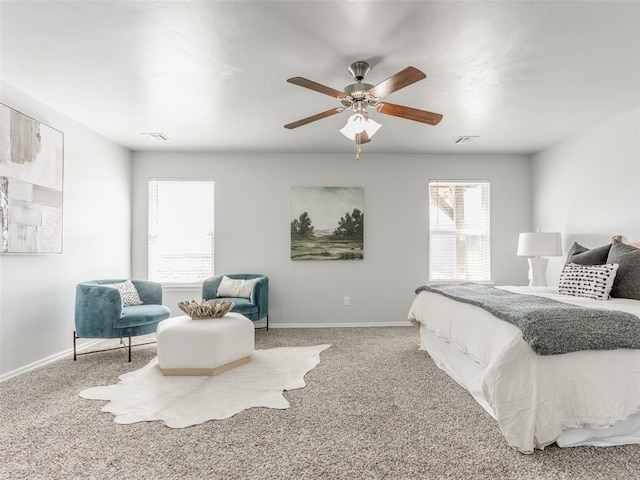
point(582, 397)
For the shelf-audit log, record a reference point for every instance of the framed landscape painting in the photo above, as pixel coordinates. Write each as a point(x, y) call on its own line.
point(327, 223)
point(31, 184)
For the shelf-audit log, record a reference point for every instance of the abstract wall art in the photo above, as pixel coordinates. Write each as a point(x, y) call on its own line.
point(327, 223)
point(31, 184)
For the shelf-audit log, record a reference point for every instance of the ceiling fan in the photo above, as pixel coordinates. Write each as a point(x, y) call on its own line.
point(359, 96)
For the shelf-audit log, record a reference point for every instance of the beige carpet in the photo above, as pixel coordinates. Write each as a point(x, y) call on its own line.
point(375, 407)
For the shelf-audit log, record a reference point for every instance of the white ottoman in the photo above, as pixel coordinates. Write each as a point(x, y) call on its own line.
point(204, 347)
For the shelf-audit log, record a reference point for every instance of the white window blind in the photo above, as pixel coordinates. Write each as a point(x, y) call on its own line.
point(180, 230)
point(459, 231)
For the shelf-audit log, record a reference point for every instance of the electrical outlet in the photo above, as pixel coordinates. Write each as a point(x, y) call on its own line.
point(347, 301)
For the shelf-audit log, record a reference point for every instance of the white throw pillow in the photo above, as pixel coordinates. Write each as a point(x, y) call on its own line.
point(128, 292)
point(591, 281)
point(230, 287)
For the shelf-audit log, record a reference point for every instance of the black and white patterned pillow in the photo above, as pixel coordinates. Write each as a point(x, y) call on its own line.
point(128, 292)
point(591, 281)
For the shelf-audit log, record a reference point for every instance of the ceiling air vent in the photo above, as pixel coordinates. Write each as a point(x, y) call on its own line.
point(467, 139)
point(156, 136)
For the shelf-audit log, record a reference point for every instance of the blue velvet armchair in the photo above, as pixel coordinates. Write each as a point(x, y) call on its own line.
point(254, 308)
point(100, 313)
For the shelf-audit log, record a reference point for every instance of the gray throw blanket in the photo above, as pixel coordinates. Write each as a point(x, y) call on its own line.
point(549, 326)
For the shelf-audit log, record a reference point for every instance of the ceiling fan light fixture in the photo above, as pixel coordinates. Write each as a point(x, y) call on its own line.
point(358, 123)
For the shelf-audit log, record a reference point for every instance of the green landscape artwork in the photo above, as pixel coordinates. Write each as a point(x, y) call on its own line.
point(327, 223)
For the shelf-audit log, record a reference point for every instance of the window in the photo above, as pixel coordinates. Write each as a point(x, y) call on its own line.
point(459, 231)
point(180, 230)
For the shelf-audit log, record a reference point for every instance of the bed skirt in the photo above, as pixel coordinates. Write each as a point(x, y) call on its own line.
point(467, 372)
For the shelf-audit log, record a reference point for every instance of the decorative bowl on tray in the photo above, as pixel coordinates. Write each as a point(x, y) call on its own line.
point(206, 308)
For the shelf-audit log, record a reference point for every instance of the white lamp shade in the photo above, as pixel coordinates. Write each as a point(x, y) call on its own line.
point(539, 244)
point(358, 124)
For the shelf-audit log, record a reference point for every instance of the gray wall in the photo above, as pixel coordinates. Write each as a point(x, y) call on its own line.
point(252, 226)
point(37, 292)
point(588, 186)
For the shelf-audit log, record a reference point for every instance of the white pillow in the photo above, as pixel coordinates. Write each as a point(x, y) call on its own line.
point(230, 287)
point(591, 281)
point(128, 292)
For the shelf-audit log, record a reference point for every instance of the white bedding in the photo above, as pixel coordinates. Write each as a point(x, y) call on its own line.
point(534, 398)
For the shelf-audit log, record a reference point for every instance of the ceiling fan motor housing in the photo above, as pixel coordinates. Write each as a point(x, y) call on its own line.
point(357, 90)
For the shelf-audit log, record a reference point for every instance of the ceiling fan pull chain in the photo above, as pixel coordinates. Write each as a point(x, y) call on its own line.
point(358, 152)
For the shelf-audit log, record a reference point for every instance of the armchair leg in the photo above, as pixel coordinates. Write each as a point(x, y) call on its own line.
point(123, 344)
point(267, 323)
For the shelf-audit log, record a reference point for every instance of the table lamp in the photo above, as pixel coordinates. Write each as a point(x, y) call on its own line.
point(535, 245)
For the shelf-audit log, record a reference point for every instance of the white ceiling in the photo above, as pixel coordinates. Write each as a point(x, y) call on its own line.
point(211, 75)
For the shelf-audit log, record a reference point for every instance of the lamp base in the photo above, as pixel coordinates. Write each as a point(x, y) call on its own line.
point(538, 271)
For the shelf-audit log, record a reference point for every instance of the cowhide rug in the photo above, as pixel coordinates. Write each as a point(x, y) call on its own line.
point(146, 395)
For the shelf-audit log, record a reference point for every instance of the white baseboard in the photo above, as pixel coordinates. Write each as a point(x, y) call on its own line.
point(44, 361)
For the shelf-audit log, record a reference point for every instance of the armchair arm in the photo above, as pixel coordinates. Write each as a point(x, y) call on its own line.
point(97, 308)
point(149, 292)
point(210, 288)
point(260, 296)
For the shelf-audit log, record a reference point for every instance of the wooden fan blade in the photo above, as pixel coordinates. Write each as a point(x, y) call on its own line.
point(311, 85)
point(409, 113)
point(315, 117)
point(362, 137)
point(395, 82)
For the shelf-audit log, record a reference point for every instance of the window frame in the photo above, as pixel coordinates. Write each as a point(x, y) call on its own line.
point(484, 235)
point(187, 285)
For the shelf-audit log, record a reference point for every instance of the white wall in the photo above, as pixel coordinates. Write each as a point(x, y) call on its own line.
point(252, 226)
point(37, 292)
point(588, 186)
